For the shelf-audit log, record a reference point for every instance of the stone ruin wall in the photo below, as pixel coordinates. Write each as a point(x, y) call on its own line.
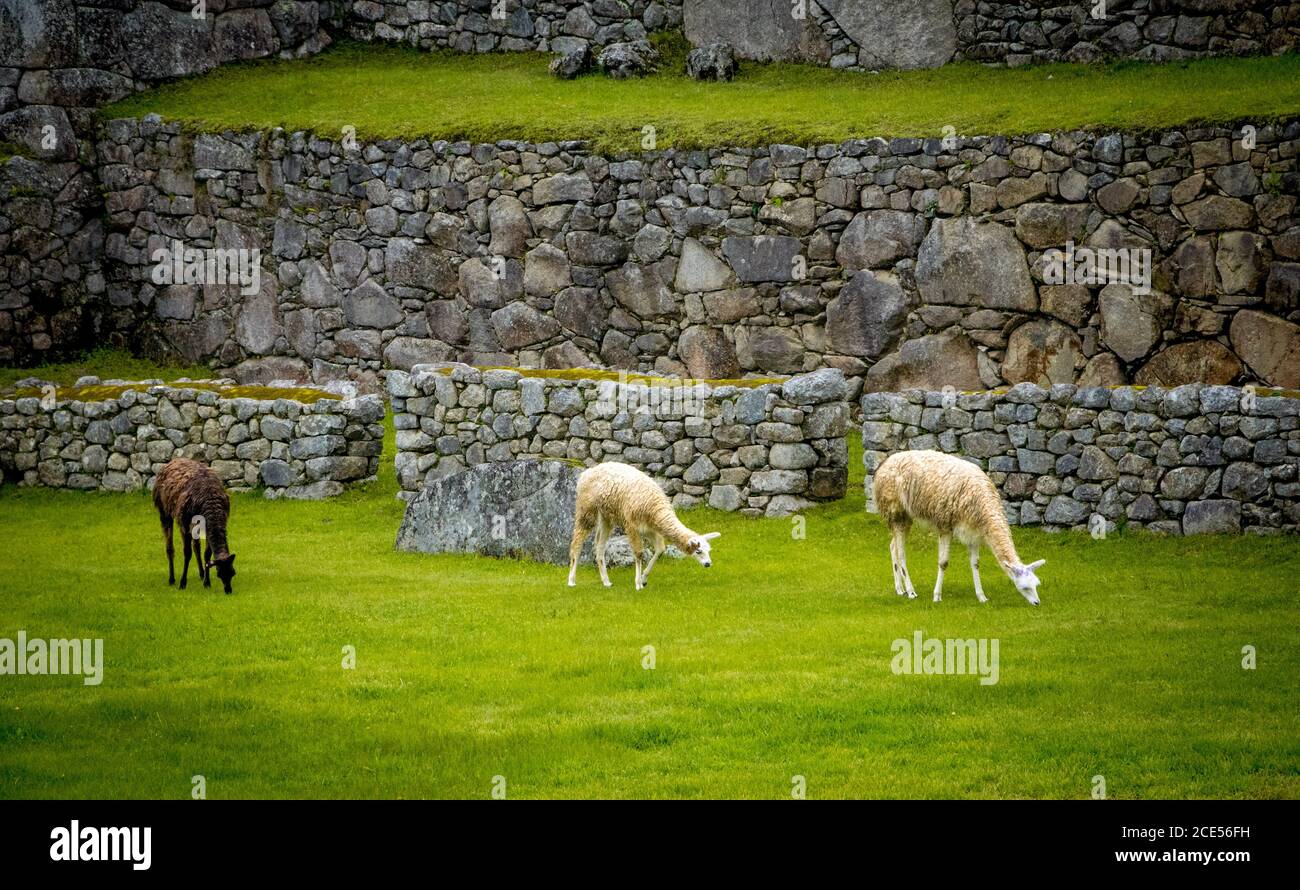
point(771, 449)
point(849, 34)
point(285, 447)
point(905, 263)
point(1194, 459)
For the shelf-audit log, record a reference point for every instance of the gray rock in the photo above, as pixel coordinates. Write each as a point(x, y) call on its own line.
point(1269, 345)
point(866, 318)
point(625, 60)
point(370, 306)
point(930, 362)
point(717, 61)
point(569, 65)
point(699, 269)
point(968, 263)
point(758, 258)
point(546, 271)
point(825, 385)
point(517, 509)
point(764, 31)
point(563, 187)
point(708, 354)
point(641, 291)
point(919, 34)
point(1212, 517)
point(877, 238)
point(1132, 323)
point(1042, 351)
point(1194, 361)
point(518, 325)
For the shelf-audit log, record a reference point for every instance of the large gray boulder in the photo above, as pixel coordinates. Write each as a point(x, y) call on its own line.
point(897, 33)
point(1269, 345)
point(866, 318)
point(517, 509)
point(757, 29)
point(930, 362)
point(963, 262)
point(162, 43)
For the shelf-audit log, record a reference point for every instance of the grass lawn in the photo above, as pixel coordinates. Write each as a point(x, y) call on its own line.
point(774, 663)
point(107, 364)
point(389, 92)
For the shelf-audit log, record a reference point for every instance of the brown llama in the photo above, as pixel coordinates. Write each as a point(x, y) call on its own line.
point(184, 490)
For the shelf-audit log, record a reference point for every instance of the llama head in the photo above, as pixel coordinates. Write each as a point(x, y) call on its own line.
point(225, 566)
point(1026, 581)
point(698, 546)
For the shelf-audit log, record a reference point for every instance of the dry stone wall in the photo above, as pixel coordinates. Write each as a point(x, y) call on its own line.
point(558, 26)
point(288, 448)
point(852, 34)
point(59, 61)
point(905, 263)
point(1188, 460)
point(768, 450)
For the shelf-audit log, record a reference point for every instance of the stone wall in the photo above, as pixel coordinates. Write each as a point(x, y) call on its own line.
point(767, 449)
point(59, 61)
point(904, 263)
point(1192, 459)
point(557, 26)
point(289, 448)
point(853, 34)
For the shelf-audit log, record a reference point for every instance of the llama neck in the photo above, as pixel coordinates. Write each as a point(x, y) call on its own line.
point(677, 534)
point(216, 537)
point(998, 535)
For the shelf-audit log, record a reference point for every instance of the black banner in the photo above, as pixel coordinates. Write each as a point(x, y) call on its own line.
point(140, 839)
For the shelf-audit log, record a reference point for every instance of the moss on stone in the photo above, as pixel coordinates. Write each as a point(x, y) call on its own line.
point(107, 392)
point(631, 377)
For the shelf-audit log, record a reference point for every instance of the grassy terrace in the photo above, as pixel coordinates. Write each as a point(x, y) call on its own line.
point(396, 92)
point(773, 663)
point(776, 662)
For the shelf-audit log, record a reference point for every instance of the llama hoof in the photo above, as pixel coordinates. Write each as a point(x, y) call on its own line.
point(937, 598)
point(911, 594)
point(607, 583)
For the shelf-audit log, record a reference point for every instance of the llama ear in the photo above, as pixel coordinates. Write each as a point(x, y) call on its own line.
point(1035, 564)
point(711, 535)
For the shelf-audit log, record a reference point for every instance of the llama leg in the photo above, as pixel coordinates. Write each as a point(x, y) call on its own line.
point(893, 563)
point(638, 551)
point(185, 568)
point(582, 527)
point(902, 564)
point(205, 561)
point(659, 545)
point(975, 572)
point(171, 548)
point(602, 538)
point(944, 542)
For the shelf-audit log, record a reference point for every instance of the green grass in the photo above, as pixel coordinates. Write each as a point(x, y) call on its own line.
point(774, 663)
point(393, 92)
point(105, 363)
